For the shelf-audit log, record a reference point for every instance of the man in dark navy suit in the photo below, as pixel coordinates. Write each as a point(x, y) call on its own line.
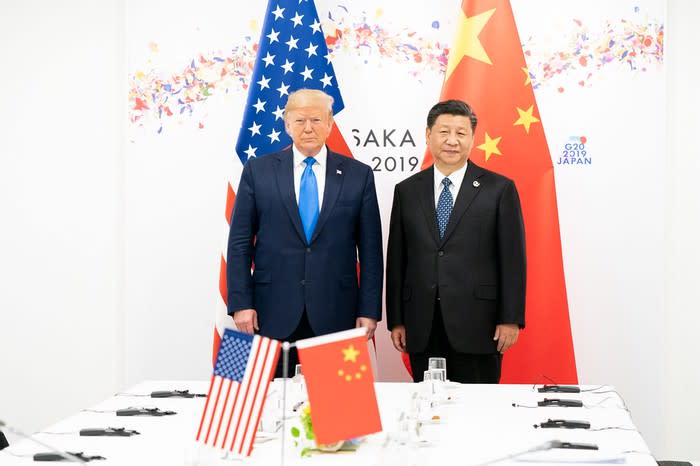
point(302, 219)
point(456, 257)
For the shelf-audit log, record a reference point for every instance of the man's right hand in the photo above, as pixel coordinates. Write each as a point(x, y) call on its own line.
point(246, 321)
point(398, 338)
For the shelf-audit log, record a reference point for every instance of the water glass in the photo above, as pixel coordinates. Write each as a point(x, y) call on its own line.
point(439, 365)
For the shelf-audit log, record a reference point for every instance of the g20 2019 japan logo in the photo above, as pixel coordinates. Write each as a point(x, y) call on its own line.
point(574, 152)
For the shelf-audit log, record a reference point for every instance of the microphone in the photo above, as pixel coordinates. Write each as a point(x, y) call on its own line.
point(552, 402)
point(563, 424)
point(143, 412)
point(108, 432)
point(575, 446)
point(560, 402)
point(559, 389)
point(176, 394)
point(62, 454)
point(542, 447)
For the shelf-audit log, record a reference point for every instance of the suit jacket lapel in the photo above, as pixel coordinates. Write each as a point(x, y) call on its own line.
point(284, 172)
point(331, 191)
point(467, 192)
point(426, 193)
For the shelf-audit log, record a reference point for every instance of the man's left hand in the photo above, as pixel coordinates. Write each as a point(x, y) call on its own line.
point(368, 322)
point(507, 335)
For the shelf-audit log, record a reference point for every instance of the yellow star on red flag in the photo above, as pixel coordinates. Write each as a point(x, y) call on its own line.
point(467, 41)
point(490, 146)
point(526, 118)
point(350, 354)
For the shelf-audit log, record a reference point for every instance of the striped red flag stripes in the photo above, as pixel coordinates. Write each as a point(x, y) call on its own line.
point(230, 200)
point(221, 319)
point(244, 368)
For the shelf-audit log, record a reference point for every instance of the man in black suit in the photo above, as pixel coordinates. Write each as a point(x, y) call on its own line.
point(456, 257)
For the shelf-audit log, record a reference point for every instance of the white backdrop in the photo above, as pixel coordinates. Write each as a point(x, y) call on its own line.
point(110, 253)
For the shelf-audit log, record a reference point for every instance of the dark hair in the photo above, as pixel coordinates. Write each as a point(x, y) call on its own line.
point(452, 107)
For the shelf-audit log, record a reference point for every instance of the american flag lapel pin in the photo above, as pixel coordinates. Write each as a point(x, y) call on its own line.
point(338, 172)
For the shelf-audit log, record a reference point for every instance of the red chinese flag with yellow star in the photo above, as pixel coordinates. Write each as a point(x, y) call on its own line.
point(487, 69)
point(340, 384)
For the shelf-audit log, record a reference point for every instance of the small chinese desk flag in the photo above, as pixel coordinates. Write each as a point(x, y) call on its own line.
point(340, 383)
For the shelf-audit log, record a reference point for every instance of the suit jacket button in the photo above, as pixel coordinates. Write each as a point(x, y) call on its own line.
point(303, 282)
point(441, 253)
point(308, 249)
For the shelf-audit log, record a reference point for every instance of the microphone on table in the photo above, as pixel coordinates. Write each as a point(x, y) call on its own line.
point(560, 402)
point(54, 451)
point(559, 389)
point(541, 447)
point(553, 402)
point(563, 424)
point(552, 444)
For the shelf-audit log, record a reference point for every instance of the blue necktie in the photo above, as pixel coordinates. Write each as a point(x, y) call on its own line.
point(444, 206)
point(308, 199)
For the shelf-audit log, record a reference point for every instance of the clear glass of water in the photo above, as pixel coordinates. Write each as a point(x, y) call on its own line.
point(440, 366)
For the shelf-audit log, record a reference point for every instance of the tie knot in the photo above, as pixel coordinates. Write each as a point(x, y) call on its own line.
point(309, 161)
point(446, 182)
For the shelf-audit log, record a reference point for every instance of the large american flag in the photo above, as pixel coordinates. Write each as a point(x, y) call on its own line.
point(292, 55)
point(244, 368)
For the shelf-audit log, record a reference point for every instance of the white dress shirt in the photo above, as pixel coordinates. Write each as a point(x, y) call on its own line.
point(319, 169)
point(456, 178)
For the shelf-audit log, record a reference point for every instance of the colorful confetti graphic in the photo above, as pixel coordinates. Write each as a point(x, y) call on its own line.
point(159, 97)
point(633, 46)
point(375, 43)
point(153, 96)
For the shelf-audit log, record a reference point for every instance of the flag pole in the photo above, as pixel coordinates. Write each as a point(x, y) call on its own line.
point(285, 367)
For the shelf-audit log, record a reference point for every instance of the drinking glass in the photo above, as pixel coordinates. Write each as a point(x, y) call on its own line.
point(439, 365)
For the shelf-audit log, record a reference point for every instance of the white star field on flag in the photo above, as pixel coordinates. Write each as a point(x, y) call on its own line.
point(292, 55)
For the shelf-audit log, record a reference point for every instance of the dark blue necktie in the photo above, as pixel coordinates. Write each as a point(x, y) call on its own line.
point(444, 206)
point(308, 199)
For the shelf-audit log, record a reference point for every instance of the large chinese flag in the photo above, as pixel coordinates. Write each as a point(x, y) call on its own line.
point(487, 69)
point(340, 384)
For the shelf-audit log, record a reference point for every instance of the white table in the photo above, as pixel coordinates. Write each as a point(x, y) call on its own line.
point(479, 425)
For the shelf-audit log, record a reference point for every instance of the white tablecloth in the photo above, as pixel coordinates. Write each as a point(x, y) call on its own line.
point(478, 425)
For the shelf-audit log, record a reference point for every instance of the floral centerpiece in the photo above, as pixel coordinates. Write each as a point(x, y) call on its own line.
point(305, 438)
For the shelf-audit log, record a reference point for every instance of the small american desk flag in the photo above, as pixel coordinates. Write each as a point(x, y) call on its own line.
point(242, 374)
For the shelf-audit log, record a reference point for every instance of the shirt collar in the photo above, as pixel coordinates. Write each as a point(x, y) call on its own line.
point(455, 177)
point(320, 157)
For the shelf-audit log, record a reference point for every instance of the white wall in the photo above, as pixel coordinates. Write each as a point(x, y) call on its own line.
point(73, 293)
point(681, 378)
point(61, 196)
